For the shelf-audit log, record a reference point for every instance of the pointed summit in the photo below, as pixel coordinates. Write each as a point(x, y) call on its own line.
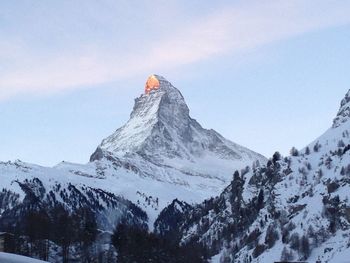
point(154, 114)
point(155, 82)
point(152, 83)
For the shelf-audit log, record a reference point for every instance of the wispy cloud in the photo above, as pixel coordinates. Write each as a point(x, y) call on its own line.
point(232, 29)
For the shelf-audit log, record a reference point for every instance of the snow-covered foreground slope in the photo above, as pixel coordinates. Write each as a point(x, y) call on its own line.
point(13, 258)
point(160, 154)
point(293, 208)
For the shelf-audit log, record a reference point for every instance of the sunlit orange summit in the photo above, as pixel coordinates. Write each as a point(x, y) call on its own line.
point(152, 83)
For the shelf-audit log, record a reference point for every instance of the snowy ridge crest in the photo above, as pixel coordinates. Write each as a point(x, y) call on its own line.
point(344, 111)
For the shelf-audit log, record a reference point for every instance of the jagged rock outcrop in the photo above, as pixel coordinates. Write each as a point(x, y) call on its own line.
point(344, 111)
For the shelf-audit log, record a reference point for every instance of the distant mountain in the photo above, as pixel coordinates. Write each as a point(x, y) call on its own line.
point(293, 208)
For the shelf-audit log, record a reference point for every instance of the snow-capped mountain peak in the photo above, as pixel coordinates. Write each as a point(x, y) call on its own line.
point(160, 131)
point(162, 107)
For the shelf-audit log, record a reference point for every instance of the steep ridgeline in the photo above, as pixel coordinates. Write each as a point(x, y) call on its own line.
point(293, 208)
point(160, 154)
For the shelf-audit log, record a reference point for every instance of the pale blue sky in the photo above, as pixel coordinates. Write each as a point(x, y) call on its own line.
point(266, 74)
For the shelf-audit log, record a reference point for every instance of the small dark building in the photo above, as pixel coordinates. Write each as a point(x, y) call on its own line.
point(6, 242)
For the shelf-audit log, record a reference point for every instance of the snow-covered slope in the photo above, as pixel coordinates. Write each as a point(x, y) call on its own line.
point(159, 155)
point(13, 258)
point(313, 195)
point(293, 208)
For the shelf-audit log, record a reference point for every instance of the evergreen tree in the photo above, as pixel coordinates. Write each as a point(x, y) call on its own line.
point(294, 152)
point(341, 144)
point(286, 255)
point(317, 147)
point(307, 150)
point(86, 230)
point(260, 201)
point(295, 241)
point(305, 247)
point(64, 231)
point(276, 157)
point(237, 189)
point(328, 162)
point(271, 236)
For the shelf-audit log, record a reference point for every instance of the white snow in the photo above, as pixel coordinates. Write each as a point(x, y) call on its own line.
point(13, 258)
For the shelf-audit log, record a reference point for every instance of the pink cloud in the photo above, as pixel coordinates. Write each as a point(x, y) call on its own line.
point(230, 30)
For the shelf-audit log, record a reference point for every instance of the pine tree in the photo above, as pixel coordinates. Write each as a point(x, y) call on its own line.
point(260, 201)
point(342, 171)
point(86, 231)
point(317, 147)
point(307, 150)
point(294, 152)
point(237, 188)
point(305, 247)
point(328, 162)
point(341, 144)
point(64, 232)
point(294, 241)
point(286, 255)
point(276, 157)
point(271, 236)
